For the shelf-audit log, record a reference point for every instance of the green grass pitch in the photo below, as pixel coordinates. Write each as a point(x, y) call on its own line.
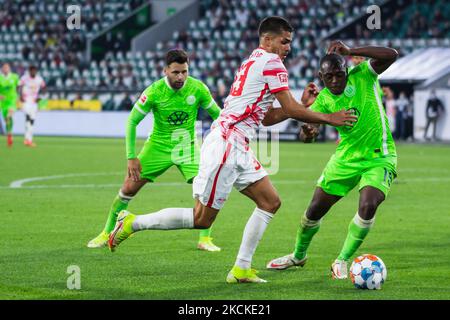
point(46, 224)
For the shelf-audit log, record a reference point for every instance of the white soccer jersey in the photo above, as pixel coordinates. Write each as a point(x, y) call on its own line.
point(252, 93)
point(31, 87)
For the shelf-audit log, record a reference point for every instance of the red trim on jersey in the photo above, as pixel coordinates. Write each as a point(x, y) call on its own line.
point(213, 190)
point(274, 72)
point(279, 89)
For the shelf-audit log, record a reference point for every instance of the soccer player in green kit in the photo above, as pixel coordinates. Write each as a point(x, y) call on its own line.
point(366, 154)
point(174, 101)
point(8, 98)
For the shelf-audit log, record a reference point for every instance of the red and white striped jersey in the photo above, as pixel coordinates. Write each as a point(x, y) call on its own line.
point(31, 87)
point(252, 93)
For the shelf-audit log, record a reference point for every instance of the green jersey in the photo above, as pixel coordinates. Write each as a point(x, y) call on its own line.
point(175, 113)
point(370, 136)
point(8, 89)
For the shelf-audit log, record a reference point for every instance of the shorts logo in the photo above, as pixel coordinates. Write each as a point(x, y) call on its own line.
point(283, 78)
point(191, 100)
point(143, 98)
point(350, 91)
point(177, 118)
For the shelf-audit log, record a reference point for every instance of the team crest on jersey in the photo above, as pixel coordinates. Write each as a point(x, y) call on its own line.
point(191, 100)
point(350, 91)
point(143, 98)
point(283, 78)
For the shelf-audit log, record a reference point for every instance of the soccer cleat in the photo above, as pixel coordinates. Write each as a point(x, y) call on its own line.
point(285, 262)
point(206, 244)
point(29, 143)
point(99, 241)
point(339, 269)
point(238, 275)
point(122, 230)
point(10, 140)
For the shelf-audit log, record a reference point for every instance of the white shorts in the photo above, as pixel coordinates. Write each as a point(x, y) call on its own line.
point(30, 109)
point(223, 165)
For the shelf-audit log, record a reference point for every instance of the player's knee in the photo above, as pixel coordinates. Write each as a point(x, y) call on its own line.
point(367, 208)
point(316, 208)
point(271, 205)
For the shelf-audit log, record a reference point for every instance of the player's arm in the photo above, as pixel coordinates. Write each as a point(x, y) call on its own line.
point(299, 111)
point(208, 103)
point(381, 57)
point(137, 114)
point(277, 115)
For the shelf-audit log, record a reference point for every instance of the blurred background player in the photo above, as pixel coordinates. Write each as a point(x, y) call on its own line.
point(8, 98)
point(366, 154)
point(174, 101)
point(30, 86)
point(435, 109)
point(226, 158)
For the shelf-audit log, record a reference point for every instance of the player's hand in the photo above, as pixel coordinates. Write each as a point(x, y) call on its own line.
point(310, 94)
point(339, 47)
point(309, 133)
point(2, 98)
point(342, 118)
point(134, 169)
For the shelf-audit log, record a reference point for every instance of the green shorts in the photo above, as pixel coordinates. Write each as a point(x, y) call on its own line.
point(6, 106)
point(156, 159)
point(339, 177)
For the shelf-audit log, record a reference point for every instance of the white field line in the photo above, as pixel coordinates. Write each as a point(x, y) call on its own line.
point(19, 184)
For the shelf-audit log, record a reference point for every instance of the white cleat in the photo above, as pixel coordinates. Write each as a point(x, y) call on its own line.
point(285, 262)
point(339, 269)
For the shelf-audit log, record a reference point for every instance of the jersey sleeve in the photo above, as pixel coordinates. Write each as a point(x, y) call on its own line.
point(319, 104)
point(145, 102)
point(366, 69)
point(140, 109)
point(207, 102)
point(276, 75)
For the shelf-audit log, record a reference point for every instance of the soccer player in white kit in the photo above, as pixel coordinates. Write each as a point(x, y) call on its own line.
point(30, 85)
point(226, 159)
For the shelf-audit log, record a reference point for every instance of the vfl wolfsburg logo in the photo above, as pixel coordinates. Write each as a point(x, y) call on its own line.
point(190, 100)
point(178, 118)
point(350, 91)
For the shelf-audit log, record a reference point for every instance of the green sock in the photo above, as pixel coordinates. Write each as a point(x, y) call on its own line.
point(357, 231)
point(306, 231)
point(120, 203)
point(9, 124)
point(205, 233)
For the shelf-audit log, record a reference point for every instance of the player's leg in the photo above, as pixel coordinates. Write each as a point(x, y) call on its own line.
point(374, 187)
point(320, 204)
point(9, 125)
point(189, 170)
point(126, 193)
point(267, 201)
point(30, 110)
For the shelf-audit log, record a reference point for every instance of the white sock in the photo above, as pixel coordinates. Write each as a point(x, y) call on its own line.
point(253, 233)
point(28, 130)
point(165, 219)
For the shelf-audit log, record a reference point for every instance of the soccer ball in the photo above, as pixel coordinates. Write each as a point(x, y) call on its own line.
point(368, 272)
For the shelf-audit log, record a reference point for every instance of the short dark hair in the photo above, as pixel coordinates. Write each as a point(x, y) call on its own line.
point(176, 55)
point(334, 60)
point(274, 24)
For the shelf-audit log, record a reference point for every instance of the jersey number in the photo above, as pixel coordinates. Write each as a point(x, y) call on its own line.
point(239, 80)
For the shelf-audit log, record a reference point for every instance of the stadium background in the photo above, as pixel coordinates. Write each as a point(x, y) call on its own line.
point(95, 71)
